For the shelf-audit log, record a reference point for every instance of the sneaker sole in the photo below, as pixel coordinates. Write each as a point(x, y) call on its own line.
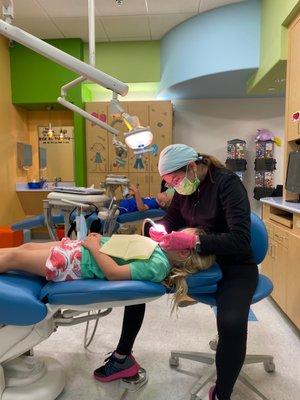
point(127, 373)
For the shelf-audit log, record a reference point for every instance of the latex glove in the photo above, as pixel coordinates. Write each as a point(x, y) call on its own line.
point(157, 235)
point(178, 241)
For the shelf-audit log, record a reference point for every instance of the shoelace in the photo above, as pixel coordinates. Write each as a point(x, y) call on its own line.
point(109, 354)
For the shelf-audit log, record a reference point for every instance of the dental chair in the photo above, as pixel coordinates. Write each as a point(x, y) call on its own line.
point(259, 244)
point(31, 309)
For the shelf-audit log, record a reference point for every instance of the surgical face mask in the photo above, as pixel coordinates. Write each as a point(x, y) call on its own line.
point(170, 192)
point(186, 187)
point(81, 227)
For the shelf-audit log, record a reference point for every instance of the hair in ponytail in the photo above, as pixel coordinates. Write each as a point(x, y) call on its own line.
point(182, 268)
point(210, 160)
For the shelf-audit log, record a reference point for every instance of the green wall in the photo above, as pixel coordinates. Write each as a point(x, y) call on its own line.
point(36, 83)
point(275, 17)
point(128, 61)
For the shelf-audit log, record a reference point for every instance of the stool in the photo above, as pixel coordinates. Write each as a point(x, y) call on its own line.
point(264, 288)
point(10, 238)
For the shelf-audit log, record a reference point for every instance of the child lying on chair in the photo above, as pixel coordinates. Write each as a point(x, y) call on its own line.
point(74, 259)
point(139, 203)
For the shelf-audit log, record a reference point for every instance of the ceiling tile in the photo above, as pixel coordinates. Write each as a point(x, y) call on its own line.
point(43, 28)
point(172, 6)
point(129, 7)
point(128, 26)
point(206, 5)
point(161, 24)
point(65, 8)
point(77, 27)
point(28, 9)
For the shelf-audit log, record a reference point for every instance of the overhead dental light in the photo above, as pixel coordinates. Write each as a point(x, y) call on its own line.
point(138, 137)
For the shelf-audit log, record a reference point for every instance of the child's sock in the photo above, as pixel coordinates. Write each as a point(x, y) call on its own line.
point(120, 357)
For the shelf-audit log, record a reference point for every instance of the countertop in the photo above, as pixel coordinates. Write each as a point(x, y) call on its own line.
point(280, 203)
point(48, 187)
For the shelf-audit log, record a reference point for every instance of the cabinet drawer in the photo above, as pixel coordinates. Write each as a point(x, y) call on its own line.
point(270, 230)
point(280, 236)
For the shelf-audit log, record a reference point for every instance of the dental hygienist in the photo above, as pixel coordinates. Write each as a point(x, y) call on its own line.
point(213, 198)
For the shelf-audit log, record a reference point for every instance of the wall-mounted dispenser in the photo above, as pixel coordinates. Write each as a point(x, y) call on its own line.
point(24, 155)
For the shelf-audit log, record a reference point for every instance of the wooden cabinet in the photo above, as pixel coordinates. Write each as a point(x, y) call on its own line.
point(96, 141)
point(160, 121)
point(141, 109)
point(282, 262)
point(293, 280)
point(279, 269)
point(293, 80)
point(113, 166)
point(267, 265)
point(155, 184)
point(140, 180)
point(95, 178)
point(101, 154)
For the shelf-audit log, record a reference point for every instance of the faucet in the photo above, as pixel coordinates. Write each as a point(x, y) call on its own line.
point(56, 180)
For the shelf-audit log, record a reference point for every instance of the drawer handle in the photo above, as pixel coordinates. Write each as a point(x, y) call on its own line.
point(278, 236)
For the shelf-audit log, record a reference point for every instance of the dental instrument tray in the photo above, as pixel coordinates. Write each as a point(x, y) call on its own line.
point(79, 190)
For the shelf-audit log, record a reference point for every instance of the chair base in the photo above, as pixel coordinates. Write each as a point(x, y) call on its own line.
point(210, 374)
point(31, 378)
point(136, 382)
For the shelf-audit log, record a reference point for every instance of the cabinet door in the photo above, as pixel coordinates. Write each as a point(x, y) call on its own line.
point(140, 109)
point(142, 180)
point(96, 140)
point(293, 79)
point(160, 119)
point(155, 184)
point(293, 280)
point(96, 179)
point(280, 275)
point(121, 127)
point(267, 265)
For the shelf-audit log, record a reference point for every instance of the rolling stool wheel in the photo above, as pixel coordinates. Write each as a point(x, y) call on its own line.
point(174, 361)
point(269, 366)
point(213, 344)
point(134, 383)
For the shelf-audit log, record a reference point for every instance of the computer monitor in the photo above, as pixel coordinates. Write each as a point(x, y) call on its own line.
point(292, 183)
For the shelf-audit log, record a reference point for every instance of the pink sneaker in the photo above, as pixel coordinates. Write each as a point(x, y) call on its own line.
point(114, 369)
point(211, 394)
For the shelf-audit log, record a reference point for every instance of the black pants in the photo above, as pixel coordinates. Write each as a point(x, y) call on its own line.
point(234, 295)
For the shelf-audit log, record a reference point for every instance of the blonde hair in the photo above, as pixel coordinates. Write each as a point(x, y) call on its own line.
point(182, 268)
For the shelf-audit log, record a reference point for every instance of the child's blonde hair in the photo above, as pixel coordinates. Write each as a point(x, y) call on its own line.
point(182, 268)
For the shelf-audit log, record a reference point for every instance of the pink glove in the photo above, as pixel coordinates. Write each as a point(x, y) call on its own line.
point(157, 235)
point(178, 241)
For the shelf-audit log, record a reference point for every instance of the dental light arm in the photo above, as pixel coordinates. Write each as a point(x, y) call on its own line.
point(138, 137)
point(66, 60)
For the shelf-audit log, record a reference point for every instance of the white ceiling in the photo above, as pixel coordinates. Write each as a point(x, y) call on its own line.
point(134, 20)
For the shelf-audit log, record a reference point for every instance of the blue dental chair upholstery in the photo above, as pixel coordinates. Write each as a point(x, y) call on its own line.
point(31, 309)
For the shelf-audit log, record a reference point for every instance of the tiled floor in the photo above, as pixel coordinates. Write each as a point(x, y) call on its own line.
point(191, 330)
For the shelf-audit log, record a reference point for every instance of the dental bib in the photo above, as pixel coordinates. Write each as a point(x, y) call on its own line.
point(129, 247)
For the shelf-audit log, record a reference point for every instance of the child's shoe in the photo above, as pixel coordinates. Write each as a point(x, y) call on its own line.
point(115, 368)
